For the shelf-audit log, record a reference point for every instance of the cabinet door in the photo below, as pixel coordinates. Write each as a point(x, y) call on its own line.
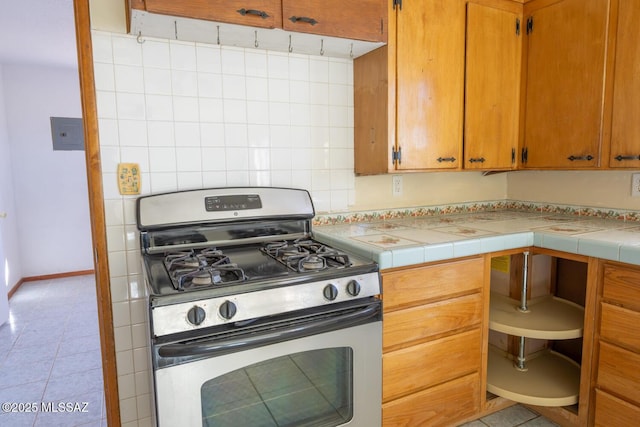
point(564, 90)
point(361, 20)
point(255, 13)
point(430, 83)
point(494, 56)
point(625, 127)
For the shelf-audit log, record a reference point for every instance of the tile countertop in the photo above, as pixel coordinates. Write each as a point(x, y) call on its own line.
point(415, 240)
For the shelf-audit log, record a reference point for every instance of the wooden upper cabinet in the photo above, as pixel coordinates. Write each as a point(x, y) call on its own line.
point(625, 125)
point(565, 83)
point(430, 84)
point(492, 94)
point(361, 20)
point(255, 13)
point(408, 95)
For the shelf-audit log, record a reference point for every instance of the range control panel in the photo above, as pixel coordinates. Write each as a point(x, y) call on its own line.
point(232, 203)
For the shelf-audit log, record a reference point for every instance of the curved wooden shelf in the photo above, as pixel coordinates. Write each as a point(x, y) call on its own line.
point(548, 317)
point(551, 379)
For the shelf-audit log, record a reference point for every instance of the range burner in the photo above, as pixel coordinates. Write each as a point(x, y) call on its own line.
point(306, 255)
point(207, 267)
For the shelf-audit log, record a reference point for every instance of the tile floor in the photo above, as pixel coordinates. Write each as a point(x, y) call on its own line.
point(512, 416)
point(50, 353)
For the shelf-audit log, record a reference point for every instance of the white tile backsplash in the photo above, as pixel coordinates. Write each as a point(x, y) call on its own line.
point(157, 81)
point(196, 115)
point(160, 134)
point(186, 109)
point(183, 56)
point(184, 83)
point(126, 50)
point(155, 54)
point(208, 59)
point(128, 79)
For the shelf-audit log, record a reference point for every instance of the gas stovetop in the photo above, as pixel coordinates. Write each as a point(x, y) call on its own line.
point(231, 254)
point(230, 270)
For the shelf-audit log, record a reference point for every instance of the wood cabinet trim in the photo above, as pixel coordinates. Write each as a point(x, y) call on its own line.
point(96, 208)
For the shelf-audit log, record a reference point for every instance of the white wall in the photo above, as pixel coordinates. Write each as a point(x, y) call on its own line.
point(597, 189)
point(11, 266)
point(9, 252)
point(49, 187)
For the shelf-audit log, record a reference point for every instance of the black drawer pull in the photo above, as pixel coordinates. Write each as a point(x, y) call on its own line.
point(446, 159)
point(621, 158)
point(295, 19)
point(476, 160)
point(262, 14)
point(574, 158)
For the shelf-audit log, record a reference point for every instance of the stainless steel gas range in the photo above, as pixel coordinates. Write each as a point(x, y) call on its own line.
point(253, 322)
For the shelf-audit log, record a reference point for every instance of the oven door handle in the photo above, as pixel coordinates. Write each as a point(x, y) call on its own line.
point(279, 335)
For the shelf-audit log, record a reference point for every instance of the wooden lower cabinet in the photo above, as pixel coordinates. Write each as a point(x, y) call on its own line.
point(612, 411)
point(617, 388)
point(432, 343)
point(418, 367)
point(618, 372)
point(439, 405)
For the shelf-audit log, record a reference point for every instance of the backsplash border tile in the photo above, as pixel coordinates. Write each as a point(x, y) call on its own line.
point(464, 208)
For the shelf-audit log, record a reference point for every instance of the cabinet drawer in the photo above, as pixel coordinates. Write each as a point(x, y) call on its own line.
point(415, 324)
point(618, 372)
point(620, 326)
point(415, 286)
point(440, 405)
point(363, 20)
point(611, 411)
point(419, 367)
point(255, 13)
point(622, 286)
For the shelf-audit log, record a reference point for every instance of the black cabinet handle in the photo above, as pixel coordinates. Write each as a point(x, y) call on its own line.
point(621, 158)
point(476, 160)
point(588, 157)
point(446, 159)
point(262, 14)
point(295, 19)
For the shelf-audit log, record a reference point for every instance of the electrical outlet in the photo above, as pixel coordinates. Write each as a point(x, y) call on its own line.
point(635, 185)
point(397, 185)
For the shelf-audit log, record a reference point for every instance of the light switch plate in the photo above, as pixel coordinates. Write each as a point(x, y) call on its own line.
point(129, 179)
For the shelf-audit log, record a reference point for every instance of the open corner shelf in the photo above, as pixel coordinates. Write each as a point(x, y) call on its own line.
point(551, 379)
point(548, 317)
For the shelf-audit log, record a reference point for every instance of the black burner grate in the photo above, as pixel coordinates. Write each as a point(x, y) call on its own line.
point(196, 269)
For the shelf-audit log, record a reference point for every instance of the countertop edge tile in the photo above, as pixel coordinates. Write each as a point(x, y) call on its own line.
point(462, 248)
point(407, 256)
point(599, 249)
point(438, 252)
point(560, 243)
point(630, 254)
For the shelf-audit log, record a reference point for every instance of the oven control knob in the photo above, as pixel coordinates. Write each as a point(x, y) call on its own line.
point(227, 310)
point(330, 292)
point(353, 288)
point(196, 315)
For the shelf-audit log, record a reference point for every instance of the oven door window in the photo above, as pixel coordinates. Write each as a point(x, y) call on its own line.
point(312, 388)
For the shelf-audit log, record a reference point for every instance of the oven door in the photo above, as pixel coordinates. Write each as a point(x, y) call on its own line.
point(324, 379)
